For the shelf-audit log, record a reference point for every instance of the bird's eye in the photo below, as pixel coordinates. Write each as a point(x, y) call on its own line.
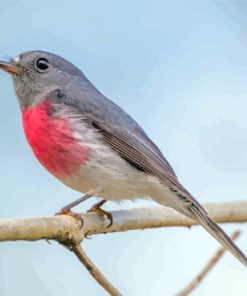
point(42, 64)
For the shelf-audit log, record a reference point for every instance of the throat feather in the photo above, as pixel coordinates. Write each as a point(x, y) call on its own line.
point(52, 140)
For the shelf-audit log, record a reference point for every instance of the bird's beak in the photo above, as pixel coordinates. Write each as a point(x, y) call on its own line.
point(10, 68)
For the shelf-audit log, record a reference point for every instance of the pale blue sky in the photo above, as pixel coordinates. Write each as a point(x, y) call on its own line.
point(180, 69)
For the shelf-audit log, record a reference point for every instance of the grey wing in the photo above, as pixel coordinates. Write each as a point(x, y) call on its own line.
point(116, 121)
point(138, 151)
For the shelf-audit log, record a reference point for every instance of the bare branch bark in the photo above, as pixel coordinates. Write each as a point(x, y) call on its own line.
point(70, 231)
point(209, 266)
point(67, 228)
point(60, 228)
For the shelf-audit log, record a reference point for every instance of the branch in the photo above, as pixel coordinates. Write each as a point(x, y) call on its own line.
point(70, 231)
point(60, 228)
point(64, 227)
point(209, 266)
point(81, 255)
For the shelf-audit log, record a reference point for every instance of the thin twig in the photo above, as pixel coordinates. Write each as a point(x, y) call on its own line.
point(209, 266)
point(94, 271)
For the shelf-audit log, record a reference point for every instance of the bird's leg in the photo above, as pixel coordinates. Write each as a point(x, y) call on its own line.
point(66, 210)
point(97, 209)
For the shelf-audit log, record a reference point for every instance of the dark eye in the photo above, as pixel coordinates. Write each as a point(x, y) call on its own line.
point(42, 64)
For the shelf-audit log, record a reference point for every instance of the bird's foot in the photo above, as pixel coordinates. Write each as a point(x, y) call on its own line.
point(97, 209)
point(67, 211)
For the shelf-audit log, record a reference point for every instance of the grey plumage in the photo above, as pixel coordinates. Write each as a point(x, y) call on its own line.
point(67, 87)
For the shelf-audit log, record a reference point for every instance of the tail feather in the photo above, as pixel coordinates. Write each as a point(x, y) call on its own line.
point(217, 232)
point(183, 202)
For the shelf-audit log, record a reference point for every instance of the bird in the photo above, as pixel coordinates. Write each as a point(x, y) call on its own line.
point(92, 145)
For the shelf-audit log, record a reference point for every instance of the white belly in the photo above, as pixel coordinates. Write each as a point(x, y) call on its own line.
point(118, 179)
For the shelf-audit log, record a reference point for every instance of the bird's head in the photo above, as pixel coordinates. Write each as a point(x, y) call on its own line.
point(36, 73)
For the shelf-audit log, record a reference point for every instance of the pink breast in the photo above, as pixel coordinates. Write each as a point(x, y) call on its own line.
point(53, 142)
